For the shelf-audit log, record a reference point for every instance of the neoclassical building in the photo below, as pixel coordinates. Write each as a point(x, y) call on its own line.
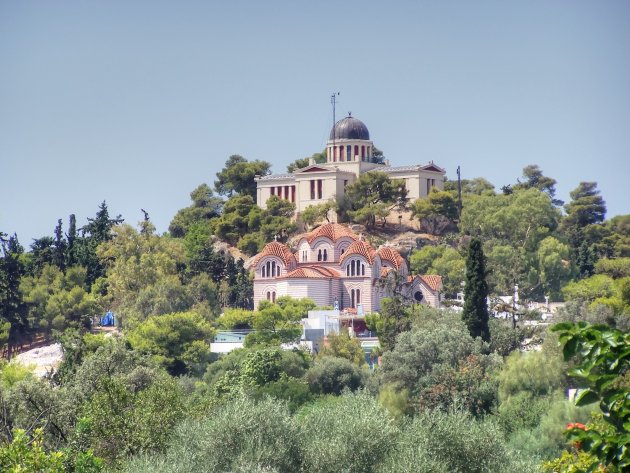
point(349, 153)
point(335, 267)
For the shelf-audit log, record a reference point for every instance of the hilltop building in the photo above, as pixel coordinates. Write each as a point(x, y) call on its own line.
point(349, 153)
point(335, 267)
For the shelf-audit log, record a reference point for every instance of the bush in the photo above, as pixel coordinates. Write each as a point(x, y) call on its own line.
point(332, 375)
point(351, 434)
point(242, 435)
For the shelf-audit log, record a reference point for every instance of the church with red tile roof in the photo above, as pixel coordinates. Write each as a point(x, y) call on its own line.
point(336, 267)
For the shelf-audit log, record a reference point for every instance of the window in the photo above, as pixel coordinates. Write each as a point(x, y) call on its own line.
point(273, 190)
point(355, 298)
point(273, 268)
point(273, 296)
point(268, 295)
point(292, 193)
point(263, 272)
point(268, 265)
point(352, 270)
point(362, 270)
point(348, 270)
point(304, 256)
point(312, 190)
point(325, 255)
point(356, 151)
point(319, 255)
point(319, 188)
point(286, 192)
point(349, 153)
point(358, 296)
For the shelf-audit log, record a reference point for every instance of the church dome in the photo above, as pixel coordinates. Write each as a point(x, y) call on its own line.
point(349, 128)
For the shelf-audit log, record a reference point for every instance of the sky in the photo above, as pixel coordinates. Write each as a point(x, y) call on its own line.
point(138, 102)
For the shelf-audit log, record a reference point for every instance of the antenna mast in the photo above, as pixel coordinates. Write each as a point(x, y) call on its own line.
point(333, 101)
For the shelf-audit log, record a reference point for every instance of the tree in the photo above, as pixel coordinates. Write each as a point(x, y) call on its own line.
point(238, 176)
point(534, 178)
point(313, 214)
point(318, 158)
point(475, 313)
point(12, 308)
point(435, 212)
point(373, 195)
point(279, 322)
point(205, 206)
point(60, 247)
point(585, 209)
point(331, 375)
point(343, 346)
point(476, 186)
point(180, 341)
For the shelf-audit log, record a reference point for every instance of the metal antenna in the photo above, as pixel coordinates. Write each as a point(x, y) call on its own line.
point(333, 101)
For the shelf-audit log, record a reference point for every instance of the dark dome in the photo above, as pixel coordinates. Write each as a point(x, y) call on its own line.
point(349, 128)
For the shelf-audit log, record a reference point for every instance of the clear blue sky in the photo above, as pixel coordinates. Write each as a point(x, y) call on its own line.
point(138, 102)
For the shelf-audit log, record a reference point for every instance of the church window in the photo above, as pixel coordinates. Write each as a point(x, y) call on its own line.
point(304, 256)
point(348, 270)
point(312, 190)
point(343, 250)
point(352, 271)
point(263, 272)
point(268, 268)
point(273, 268)
point(358, 296)
point(273, 297)
point(362, 270)
point(325, 255)
point(319, 255)
point(268, 295)
point(352, 298)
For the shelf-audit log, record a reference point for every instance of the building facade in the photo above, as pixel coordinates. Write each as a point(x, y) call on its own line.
point(349, 153)
point(335, 267)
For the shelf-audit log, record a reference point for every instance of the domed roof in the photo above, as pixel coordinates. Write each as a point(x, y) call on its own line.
point(349, 128)
point(332, 231)
point(359, 247)
point(392, 256)
point(276, 249)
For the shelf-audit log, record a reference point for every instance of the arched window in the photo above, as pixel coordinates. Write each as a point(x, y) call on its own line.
point(319, 255)
point(362, 270)
point(273, 296)
point(268, 268)
point(268, 295)
point(358, 296)
point(352, 268)
point(325, 254)
point(348, 270)
point(352, 298)
point(263, 272)
point(273, 268)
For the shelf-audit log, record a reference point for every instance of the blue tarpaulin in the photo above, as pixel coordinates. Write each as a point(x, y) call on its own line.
point(109, 319)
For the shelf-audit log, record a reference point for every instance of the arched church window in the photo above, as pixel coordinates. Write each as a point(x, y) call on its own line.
point(358, 296)
point(268, 295)
point(264, 274)
point(325, 254)
point(418, 296)
point(352, 269)
point(362, 270)
point(268, 268)
point(273, 268)
point(348, 270)
point(273, 296)
point(352, 304)
point(319, 255)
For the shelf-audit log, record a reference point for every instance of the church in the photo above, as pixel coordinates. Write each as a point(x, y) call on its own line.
point(349, 153)
point(336, 267)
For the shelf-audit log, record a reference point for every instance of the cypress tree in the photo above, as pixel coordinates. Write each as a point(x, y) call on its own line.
point(475, 313)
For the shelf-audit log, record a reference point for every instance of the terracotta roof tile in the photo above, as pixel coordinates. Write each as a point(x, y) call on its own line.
point(276, 249)
point(433, 281)
point(332, 231)
point(385, 271)
point(313, 272)
point(387, 253)
point(359, 247)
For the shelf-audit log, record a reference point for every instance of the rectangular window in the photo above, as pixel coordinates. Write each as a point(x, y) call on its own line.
point(286, 192)
point(319, 188)
point(273, 191)
point(292, 193)
point(313, 190)
point(349, 153)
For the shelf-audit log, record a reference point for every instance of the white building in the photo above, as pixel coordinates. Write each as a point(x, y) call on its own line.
point(349, 153)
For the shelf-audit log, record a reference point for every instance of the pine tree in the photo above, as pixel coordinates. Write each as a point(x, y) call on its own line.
point(475, 313)
point(12, 307)
point(71, 238)
point(59, 248)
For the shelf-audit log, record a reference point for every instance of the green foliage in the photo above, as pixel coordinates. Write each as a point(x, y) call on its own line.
point(343, 346)
point(372, 196)
point(352, 434)
point(13, 310)
point(238, 176)
point(314, 214)
point(180, 341)
point(279, 322)
point(236, 319)
point(534, 178)
point(319, 158)
point(331, 375)
point(435, 212)
point(603, 356)
point(536, 373)
point(475, 313)
point(601, 290)
point(12, 373)
point(504, 338)
point(441, 365)
point(615, 268)
point(451, 441)
point(205, 206)
point(394, 318)
point(476, 186)
point(242, 435)
point(443, 261)
point(24, 454)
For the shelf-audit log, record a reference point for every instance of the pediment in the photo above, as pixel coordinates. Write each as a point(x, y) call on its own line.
point(432, 167)
point(312, 168)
